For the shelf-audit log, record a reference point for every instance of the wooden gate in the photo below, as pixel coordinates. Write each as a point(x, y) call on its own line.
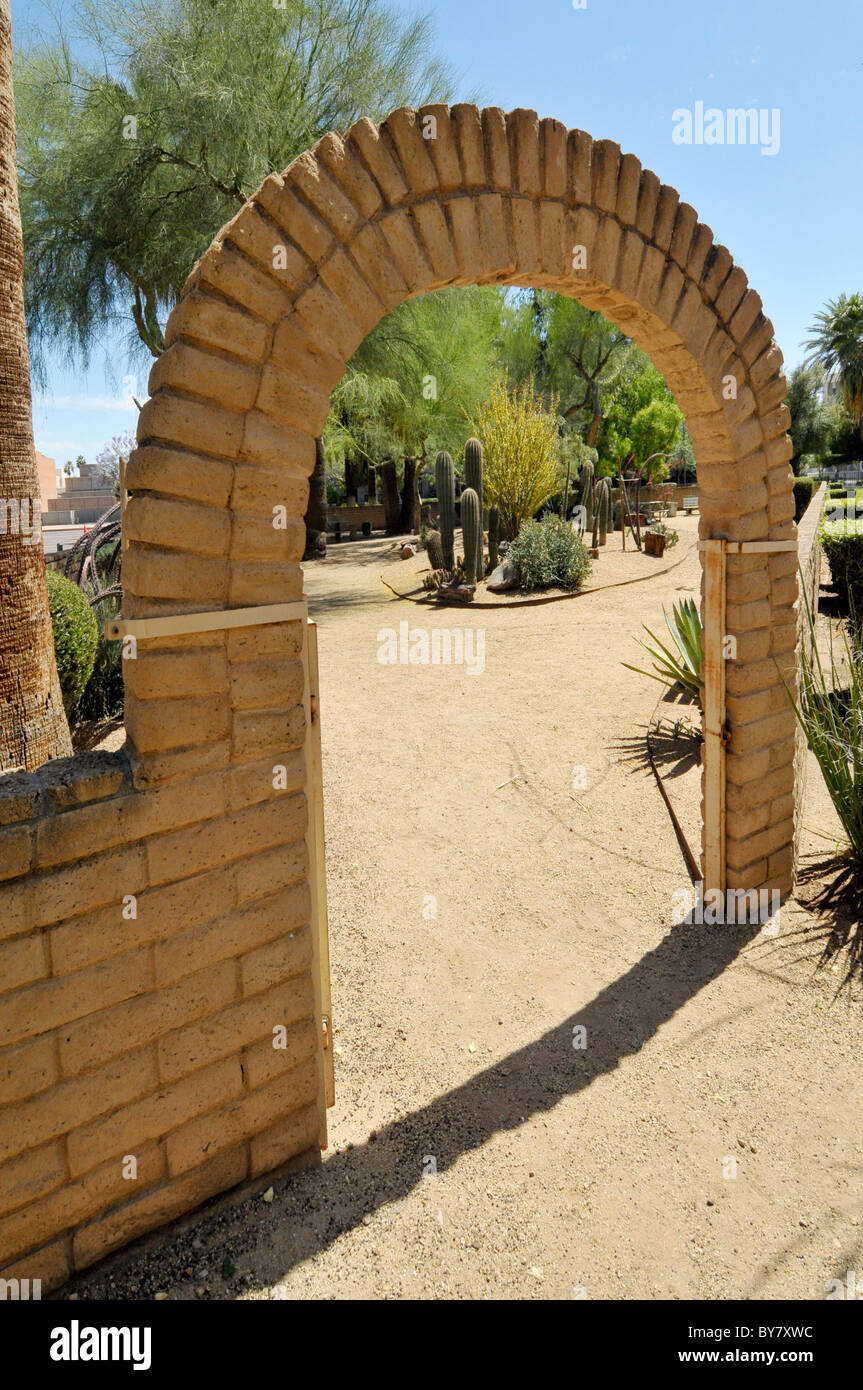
point(316, 843)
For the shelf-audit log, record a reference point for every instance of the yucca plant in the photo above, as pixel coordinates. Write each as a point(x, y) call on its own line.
point(680, 667)
point(829, 708)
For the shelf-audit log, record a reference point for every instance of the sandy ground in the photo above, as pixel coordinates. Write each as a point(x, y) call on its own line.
point(490, 910)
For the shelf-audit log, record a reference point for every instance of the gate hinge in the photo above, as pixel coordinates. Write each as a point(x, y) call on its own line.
point(313, 706)
point(725, 734)
point(325, 1029)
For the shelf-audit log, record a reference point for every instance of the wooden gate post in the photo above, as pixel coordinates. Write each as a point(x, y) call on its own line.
point(713, 677)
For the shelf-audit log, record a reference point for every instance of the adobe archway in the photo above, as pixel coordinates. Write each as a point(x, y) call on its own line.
point(261, 335)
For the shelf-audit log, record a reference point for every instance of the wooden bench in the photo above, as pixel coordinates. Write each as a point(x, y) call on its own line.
point(690, 505)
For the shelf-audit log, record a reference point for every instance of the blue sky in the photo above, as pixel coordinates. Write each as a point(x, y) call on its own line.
point(620, 69)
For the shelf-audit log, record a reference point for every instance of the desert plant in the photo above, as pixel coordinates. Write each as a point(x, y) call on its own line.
point(586, 479)
point(520, 452)
point(601, 512)
point(471, 531)
point(473, 479)
point(76, 636)
point(493, 537)
point(444, 474)
point(549, 554)
point(434, 549)
point(829, 707)
point(681, 667)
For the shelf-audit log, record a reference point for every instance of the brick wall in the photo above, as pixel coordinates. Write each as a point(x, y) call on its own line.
point(151, 940)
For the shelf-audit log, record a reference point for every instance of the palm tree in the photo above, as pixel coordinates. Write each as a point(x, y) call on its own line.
point(837, 346)
point(33, 726)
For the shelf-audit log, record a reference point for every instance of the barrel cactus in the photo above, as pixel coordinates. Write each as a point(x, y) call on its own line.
point(493, 536)
point(445, 487)
point(471, 531)
point(434, 549)
point(473, 479)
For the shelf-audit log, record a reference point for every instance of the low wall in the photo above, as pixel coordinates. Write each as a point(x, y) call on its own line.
point(809, 554)
point(158, 1037)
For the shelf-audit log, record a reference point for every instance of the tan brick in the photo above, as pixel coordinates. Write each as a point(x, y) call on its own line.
point(177, 674)
point(263, 1061)
point(54, 1003)
point(292, 1136)
point(221, 1034)
point(202, 426)
point(177, 525)
point(233, 935)
point(152, 1209)
point(267, 685)
point(154, 1116)
point(206, 846)
point(402, 130)
point(160, 725)
point(75, 1202)
point(50, 1264)
point(139, 1021)
point(256, 731)
point(30, 1176)
point(76, 1102)
point(15, 851)
point(406, 250)
point(188, 368)
point(467, 121)
point(200, 318)
point(264, 873)
point(160, 913)
point(260, 538)
point(320, 190)
point(281, 641)
point(179, 474)
point(250, 783)
point(191, 1145)
point(281, 581)
point(754, 847)
point(27, 1069)
point(282, 959)
point(275, 445)
point(342, 163)
point(179, 579)
point(265, 293)
point(21, 963)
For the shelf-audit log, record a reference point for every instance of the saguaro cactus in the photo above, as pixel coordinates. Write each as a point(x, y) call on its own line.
point(473, 479)
point(602, 512)
point(493, 536)
point(444, 475)
point(470, 525)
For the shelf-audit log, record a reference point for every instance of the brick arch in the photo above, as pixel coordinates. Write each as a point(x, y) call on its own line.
point(283, 297)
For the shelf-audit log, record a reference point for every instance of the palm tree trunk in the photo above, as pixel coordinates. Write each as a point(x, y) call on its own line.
point(316, 511)
point(33, 725)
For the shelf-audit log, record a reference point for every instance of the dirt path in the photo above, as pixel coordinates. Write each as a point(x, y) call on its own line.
point(558, 1168)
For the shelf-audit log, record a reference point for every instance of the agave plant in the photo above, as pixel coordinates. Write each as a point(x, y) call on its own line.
point(680, 667)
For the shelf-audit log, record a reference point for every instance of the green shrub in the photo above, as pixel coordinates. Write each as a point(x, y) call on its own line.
point(103, 695)
point(76, 636)
point(549, 555)
point(804, 491)
point(844, 552)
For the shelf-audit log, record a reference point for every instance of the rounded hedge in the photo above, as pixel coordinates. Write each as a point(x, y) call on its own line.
point(549, 555)
point(76, 636)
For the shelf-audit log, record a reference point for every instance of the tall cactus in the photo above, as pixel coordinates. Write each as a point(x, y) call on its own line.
point(471, 530)
point(587, 484)
point(434, 549)
point(601, 512)
point(493, 536)
point(444, 475)
point(605, 511)
point(473, 479)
